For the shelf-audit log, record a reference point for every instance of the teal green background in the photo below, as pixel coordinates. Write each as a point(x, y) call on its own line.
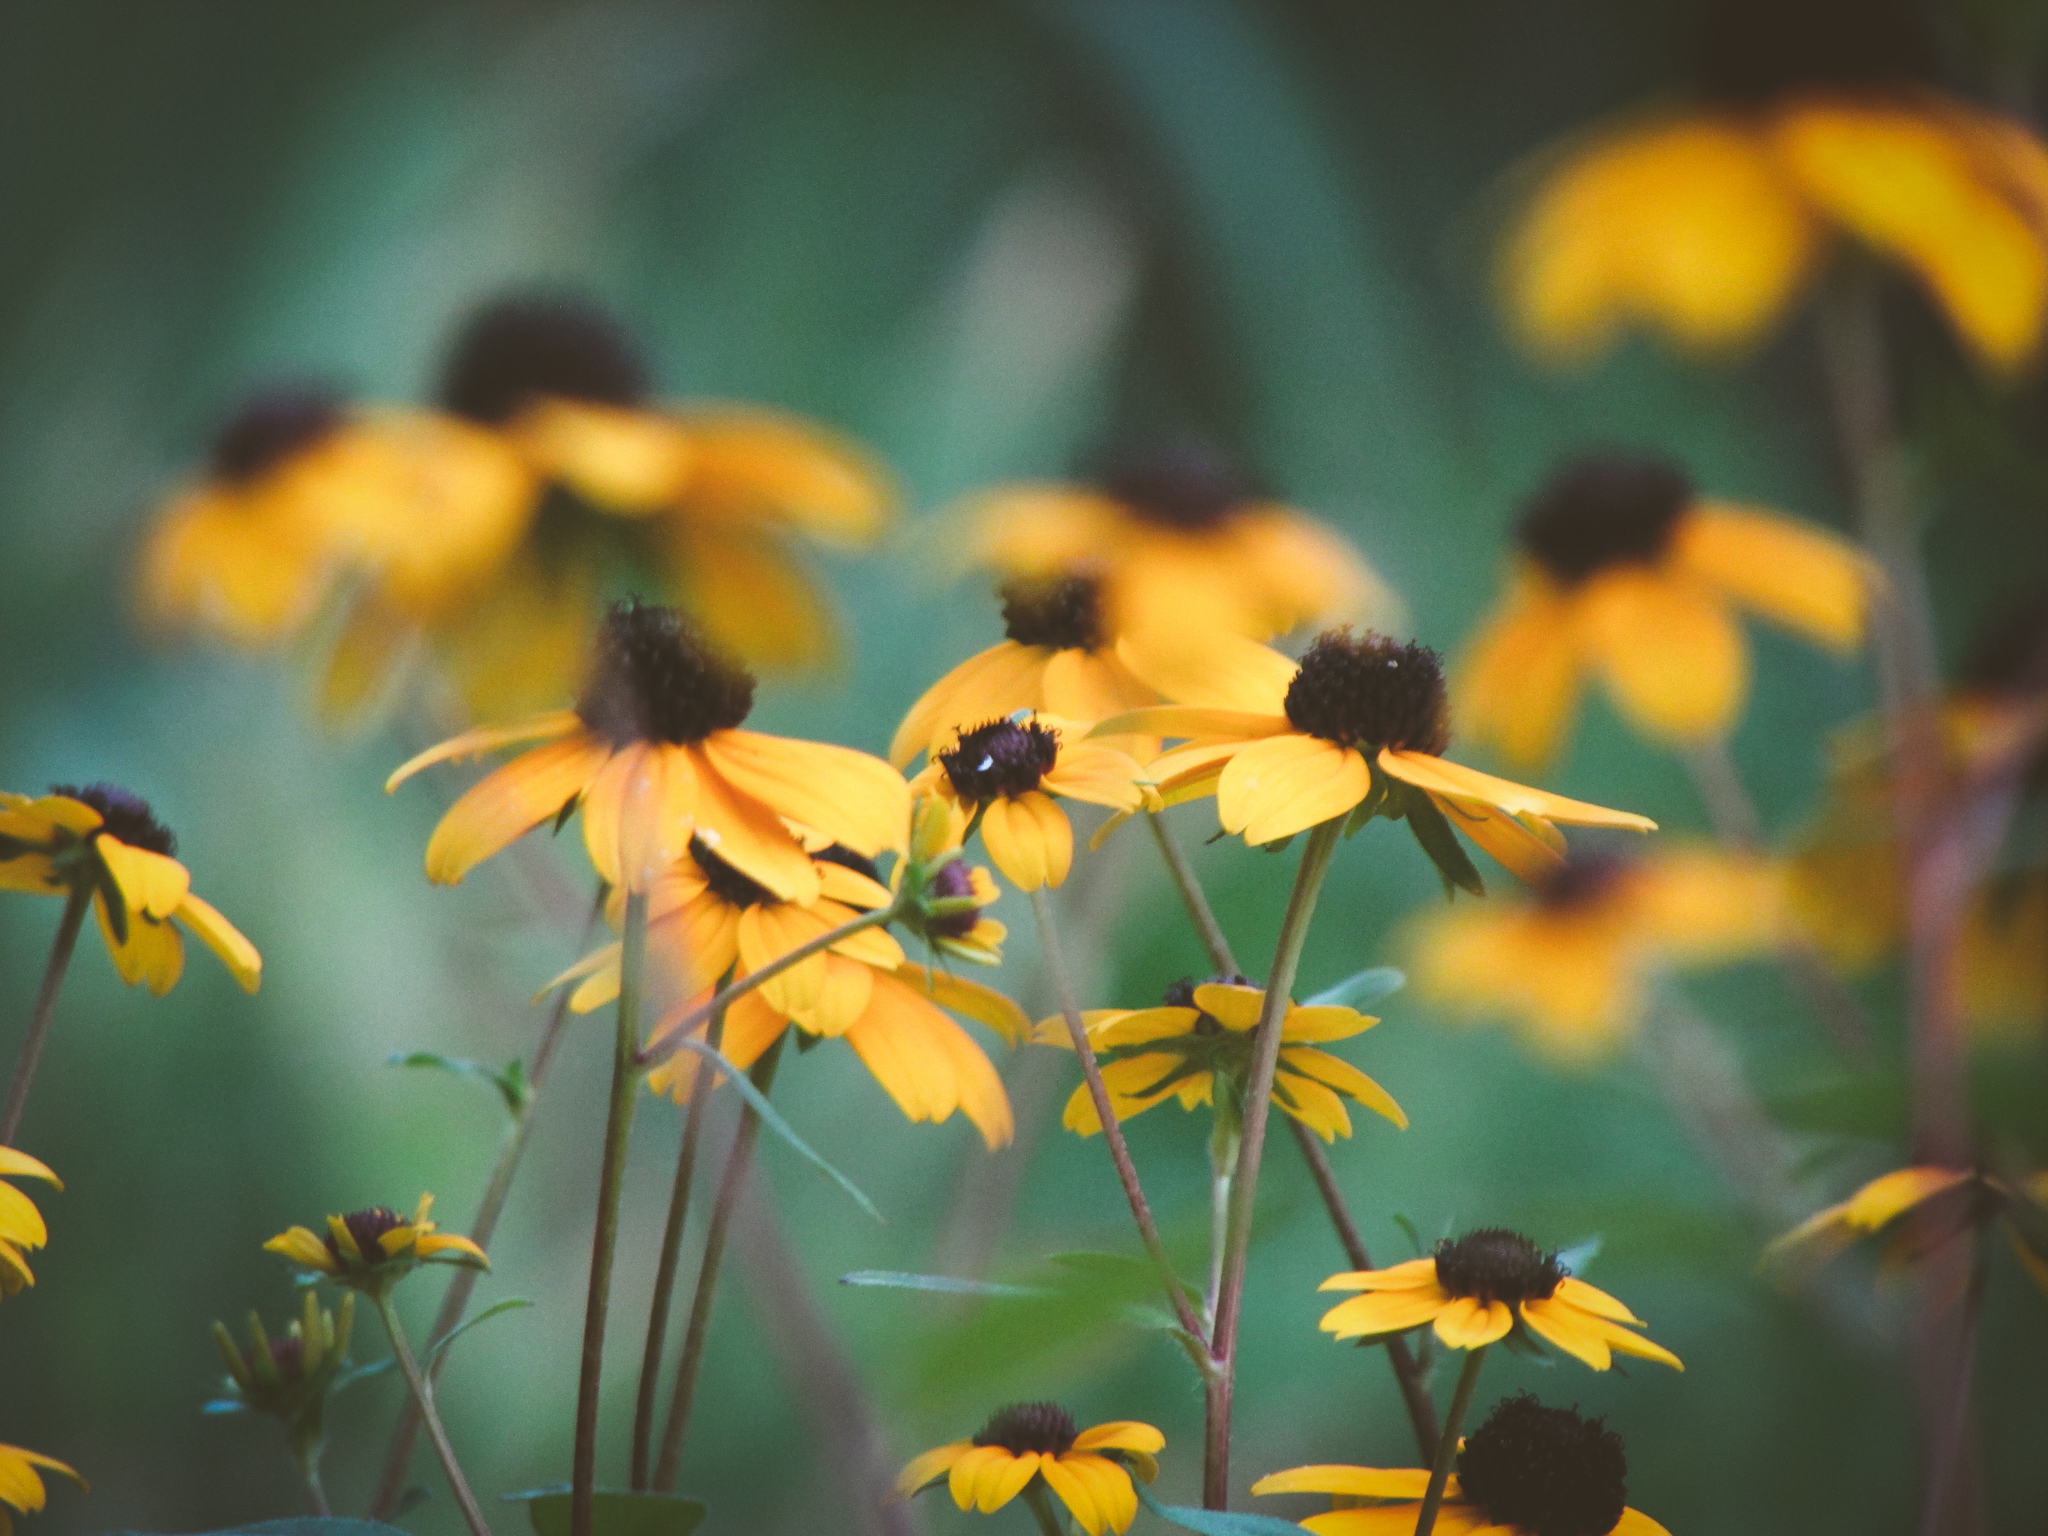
point(983, 238)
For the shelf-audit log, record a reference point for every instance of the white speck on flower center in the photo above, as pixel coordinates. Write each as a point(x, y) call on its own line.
point(984, 765)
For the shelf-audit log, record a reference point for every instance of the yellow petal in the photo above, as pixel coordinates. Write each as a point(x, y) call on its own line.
point(1379, 1312)
point(1349, 1482)
point(511, 802)
point(1805, 578)
point(927, 1468)
point(1442, 776)
point(1466, 1322)
point(16, 1164)
point(1286, 784)
point(1668, 649)
point(982, 1004)
point(624, 460)
point(224, 939)
point(849, 796)
point(151, 882)
point(476, 743)
point(1519, 684)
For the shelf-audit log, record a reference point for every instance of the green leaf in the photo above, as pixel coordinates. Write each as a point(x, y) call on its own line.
point(615, 1512)
point(892, 1279)
point(1215, 1522)
point(510, 1084)
point(770, 1117)
point(1362, 987)
point(364, 1372)
point(1453, 865)
point(303, 1525)
point(509, 1304)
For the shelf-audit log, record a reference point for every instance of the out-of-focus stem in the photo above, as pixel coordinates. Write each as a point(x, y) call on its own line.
point(1193, 897)
point(1447, 1443)
point(61, 946)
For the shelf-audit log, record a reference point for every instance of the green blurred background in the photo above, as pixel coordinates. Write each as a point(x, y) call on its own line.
point(982, 238)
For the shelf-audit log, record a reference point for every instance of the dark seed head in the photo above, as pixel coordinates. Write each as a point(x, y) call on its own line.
point(1371, 692)
point(1000, 758)
point(271, 426)
point(1753, 50)
point(1044, 1427)
point(1178, 483)
point(1581, 881)
point(1608, 509)
point(953, 882)
point(520, 349)
point(366, 1227)
point(727, 883)
point(1061, 613)
point(654, 678)
point(1494, 1264)
point(1546, 1471)
point(127, 816)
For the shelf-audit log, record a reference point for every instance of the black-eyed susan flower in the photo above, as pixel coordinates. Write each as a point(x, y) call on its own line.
point(1813, 124)
point(1197, 1047)
point(21, 1483)
point(103, 842)
point(1527, 1471)
point(1626, 574)
point(652, 756)
point(942, 898)
point(1355, 730)
point(1571, 964)
point(1059, 659)
point(289, 1377)
point(1030, 1446)
point(1480, 1288)
point(1913, 1211)
point(21, 1225)
point(1179, 544)
point(371, 1250)
point(1003, 775)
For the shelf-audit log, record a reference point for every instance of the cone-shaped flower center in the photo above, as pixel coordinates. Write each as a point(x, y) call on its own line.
point(1580, 882)
point(654, 678)
point(1181, 994)
point(1062, 613)
point(953, 882)
point(1044, 1427)
point(1371, 692)
point(1179, 483)
point(127, 816)
point(288, 1354)
point(1000, 758)
point(517, 350)
point(1612, 509)
point(271, 426)
point(1753, 50)
point(1546, 1471)
point(1494, 1264)
point(366, 1227)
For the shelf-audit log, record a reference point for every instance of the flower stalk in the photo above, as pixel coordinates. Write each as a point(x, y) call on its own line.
point(437, 1435)
point(1447, 1444)
point(75, 907)
point(1039, 1502)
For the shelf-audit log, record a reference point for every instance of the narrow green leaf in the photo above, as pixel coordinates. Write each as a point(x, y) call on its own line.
point(510, 1085)
point(1215, 1522)
point(891, 1279)
point(364, 1372)
point(1360, 988)
point(615, 1512)
point(1434, 833)
point(221, 1405)
point(509, 1304)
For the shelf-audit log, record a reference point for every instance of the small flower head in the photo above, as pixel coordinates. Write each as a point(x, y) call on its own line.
point(1604, 510)
point(1371, 692)
point(1913, 1212)
point(1494, 1264)
point(1000, 759)
point(1038, 1445)
point(943, 897)
point(655, 678)
point(289, 1378)
point(371, 1250)
point(517, 351)
point(1546, 1471)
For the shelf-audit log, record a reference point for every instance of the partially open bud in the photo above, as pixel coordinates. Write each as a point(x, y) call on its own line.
point(290, 1378)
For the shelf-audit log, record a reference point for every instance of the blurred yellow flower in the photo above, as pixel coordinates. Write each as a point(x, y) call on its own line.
point(1625, 573)
point(20, 1486)
point(103, 840)
point(652, 757)
point(370, 1250)
point(1571, 964)
point(1480, 1288)
point(1812, 124)
point(1202, 1036)
point(1029, 1446)
point(21, 1224)
point(1917, 1210)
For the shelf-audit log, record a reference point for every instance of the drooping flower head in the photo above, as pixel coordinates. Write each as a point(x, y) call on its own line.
point(1038, 1444)
point(371, 1250)
point(1913, 1212)
point(1626, 574)
point(22, 1228)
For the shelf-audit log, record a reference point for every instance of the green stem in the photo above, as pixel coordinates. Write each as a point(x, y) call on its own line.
point(1954, 1434)
point(1225, 1141)
point(671, 1255)
point(672, 1039)
point(1039, 1501)
point(731, 1186)
point(604, 1240)
point(1112, 1129)
point(1193, 897)
point(1258, 1103)
point(75, 906)
point(1447, 1446)
point(308, 1459)
point(437, 1435)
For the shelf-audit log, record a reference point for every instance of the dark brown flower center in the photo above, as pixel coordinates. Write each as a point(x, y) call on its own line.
point(288, 1354)
point(1546, 1471)
point(517, 350)
point(1609, 509)
point(1178, 483)
point(127, 816)
point(1494, 1264)
point(953, 882)
point(270, 427)
point(1583, 880)
point(1000, 758)
point(1371, 692)
point(366, 1228)
point(1061, 613)
point(1751, 51)
point(654, 678)
point(1043, 1427)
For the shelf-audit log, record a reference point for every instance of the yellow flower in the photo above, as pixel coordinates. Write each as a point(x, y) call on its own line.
point(106, 841)
point(1571, 966)
point(1943, 1204)
point(20, 1487)
point(1179, 545)
point(370, 1250)
point(1626, 574)
point(1204, 1033)
point(1002, 775)
point(1527, 1471)
point(1484, 1286)
point(1058, 659)
point(652, 756)
point(1354, 730)
point(1032, 1446)
point(1704, 219)
point(21, 1224)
